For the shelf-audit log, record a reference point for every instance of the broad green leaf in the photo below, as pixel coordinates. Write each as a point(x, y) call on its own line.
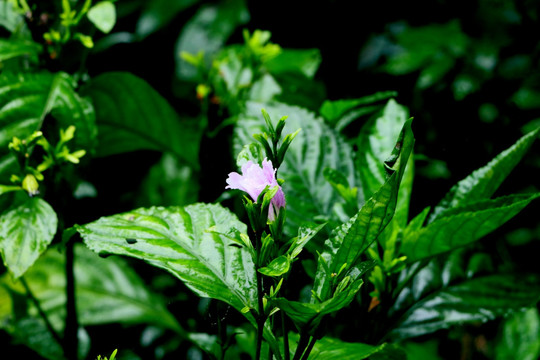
point(277, 267)
point(207, 31)
point(25, 100)
point(114, 294)
point(159, 13)
point(190, 242)
point(462, 225)
point(315, 148)
point(307, 316)
point(9, 18)
point(520, 337)
point(482, 183)
point(479, 299)
point(347, 242)
point(334, 110)
point(303, 61)
point(14, 48)
point(103, 16)
point(131, 116)
point(264, 89)
point(26, 229)
point(178, 240)
point(335, 349)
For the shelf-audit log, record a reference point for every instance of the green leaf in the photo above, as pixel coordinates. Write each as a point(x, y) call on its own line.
point(462, 225)
point(347, 242)
point(307, 317)
point(304, 61)
point(480, 299)
point(114, 294)
point(277, 267)
point(207, 31)
point(434, 73)
point(336, 109)
point(520, 337)
point(178, 240)
point(25, 100)
point(335, 349)
point(158, 13)
point(131, 116)
point(103, 16)
point(315, 148)
point(26, 229)
point(9, 17)
point(482, 183)
point(14, 48)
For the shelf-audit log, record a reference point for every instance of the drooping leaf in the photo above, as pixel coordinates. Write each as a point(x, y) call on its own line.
point(347, 242)
point(482, 183)
point(131, 115)
point(520, 337)
point(191, 243)
point(9, 18)
point(462, 225)
point(176, 239)
point(479, 299)
point(207, 31)
point(315, 148)
point(103, 16)
point(14, 48)
point(26, 229)
point(158, 13)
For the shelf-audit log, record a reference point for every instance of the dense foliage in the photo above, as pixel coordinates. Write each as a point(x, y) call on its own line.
point(257, 207)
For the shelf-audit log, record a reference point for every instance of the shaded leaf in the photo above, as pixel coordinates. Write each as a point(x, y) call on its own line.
point(159, 13)
point(520, 336)
point(303, 61)
point(14, 48)
point(26, 229)
point(131, 116)
point(482, 183)
point(462, 225)
point(480, 299)
point(207, 31)
point(333, 110)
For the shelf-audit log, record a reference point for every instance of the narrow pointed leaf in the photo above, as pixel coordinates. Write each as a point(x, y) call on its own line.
point(26, 229)
point(480, 299)
point(462, 225)
point(351, 239)
point(334, 110)
point(482, 183)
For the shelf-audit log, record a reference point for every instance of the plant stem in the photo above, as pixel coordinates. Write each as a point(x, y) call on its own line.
point(71, 344)
point(309, 348)
point(286, 352)
point(41, 312)
point(302, 343)
point(260, 316)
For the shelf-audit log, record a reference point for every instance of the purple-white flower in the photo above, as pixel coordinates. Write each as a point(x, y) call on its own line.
point(253, 181)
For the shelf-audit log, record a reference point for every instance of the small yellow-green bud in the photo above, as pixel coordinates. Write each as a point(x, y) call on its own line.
point(30, 184)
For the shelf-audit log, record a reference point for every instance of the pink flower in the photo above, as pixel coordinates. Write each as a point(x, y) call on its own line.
point(253, 181)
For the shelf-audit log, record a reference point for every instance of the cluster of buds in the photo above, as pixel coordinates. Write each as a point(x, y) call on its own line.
point(29, 177)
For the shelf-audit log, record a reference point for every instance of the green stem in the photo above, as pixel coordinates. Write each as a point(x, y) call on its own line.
point(285, 336)
point(260, 316)
point(71, 340)
point(309, 348)
point(41, 312)
point(302, 343)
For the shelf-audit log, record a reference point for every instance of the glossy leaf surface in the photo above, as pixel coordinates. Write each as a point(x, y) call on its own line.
point(26, 229)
